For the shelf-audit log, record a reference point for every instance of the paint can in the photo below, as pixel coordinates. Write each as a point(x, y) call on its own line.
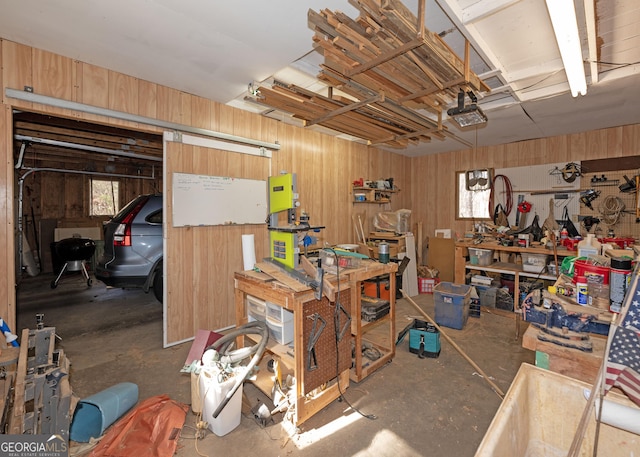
point(383, 252)
point(524, 240)
point(619, 280)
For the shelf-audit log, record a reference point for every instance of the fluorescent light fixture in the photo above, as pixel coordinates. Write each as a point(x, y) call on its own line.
point(565, 26)
point(466, 116)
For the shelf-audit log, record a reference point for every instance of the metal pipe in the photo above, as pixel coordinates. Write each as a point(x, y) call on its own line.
point(23, 147)
point(90, 109)
point(84, 147)
point(20, 210)
point(486, 377)
point(82, 172)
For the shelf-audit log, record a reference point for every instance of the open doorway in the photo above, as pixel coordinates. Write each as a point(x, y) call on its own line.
point(70, 177)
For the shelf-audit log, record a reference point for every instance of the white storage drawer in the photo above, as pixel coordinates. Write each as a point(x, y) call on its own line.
point(282, 332)
point(278, 313)
point(256, 309)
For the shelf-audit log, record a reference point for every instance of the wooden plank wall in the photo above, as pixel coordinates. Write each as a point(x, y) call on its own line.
point(433, 190)
point(200, 261)
point(325, 166)
point(7, 259)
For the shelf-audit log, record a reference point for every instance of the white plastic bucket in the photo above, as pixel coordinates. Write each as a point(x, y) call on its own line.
point(212, 394)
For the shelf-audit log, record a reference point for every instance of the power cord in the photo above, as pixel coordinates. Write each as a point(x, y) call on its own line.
point(336, 325)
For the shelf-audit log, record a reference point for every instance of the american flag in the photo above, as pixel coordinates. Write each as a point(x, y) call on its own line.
point(623, 362)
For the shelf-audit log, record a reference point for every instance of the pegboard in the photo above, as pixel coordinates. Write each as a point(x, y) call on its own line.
point(538, 184)
point(625, 223)
point(325, 347)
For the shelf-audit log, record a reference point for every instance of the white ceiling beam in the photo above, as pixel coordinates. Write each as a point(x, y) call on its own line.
point(455, 13)
point(485, 8)
point(540, 71)
point(590, 19)
point(489, 74)
point(544, 92)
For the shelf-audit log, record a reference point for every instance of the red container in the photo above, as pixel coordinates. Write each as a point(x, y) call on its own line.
point(426, 285)
point(593, 273)
point(570, 243)
point(623, 243)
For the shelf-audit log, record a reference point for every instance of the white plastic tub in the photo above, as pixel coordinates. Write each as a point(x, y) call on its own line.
point(481, 257)
point(534, 263)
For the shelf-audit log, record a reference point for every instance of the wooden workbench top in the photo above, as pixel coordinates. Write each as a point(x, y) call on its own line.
point(367, 269)
point(561, 250)
point(568, 361)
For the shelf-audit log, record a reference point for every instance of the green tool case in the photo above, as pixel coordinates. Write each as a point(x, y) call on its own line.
point(424, 339)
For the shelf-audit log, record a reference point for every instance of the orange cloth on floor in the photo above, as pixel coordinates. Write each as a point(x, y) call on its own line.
point(151, 429)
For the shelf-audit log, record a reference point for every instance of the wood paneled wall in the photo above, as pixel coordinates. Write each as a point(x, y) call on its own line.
point(433, 177)
point(201, 261)
point(7, 258)
point(325, 166)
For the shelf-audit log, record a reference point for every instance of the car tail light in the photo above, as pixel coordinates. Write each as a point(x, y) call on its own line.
point(122, 234)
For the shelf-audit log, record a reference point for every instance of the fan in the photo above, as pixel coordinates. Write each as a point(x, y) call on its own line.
point(478, 179)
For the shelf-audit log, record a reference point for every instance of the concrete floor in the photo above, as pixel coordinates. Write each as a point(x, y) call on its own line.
point(436, 407)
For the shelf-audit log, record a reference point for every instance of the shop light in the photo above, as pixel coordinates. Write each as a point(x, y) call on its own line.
point(565, 26)
point(466, 116)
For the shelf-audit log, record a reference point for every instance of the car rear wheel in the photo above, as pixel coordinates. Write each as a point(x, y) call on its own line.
point(157, 284)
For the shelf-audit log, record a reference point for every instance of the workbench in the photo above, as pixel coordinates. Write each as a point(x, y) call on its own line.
point(383, 328)
point(316, 388)
point(461, 264)
point(570, 362)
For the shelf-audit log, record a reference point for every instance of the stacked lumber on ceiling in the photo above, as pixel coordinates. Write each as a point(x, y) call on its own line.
point(389, 67)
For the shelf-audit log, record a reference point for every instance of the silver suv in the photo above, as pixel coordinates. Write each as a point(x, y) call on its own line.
point(133, 246)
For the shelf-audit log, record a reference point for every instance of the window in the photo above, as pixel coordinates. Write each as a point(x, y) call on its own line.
point(104, 198)
point(472, 204)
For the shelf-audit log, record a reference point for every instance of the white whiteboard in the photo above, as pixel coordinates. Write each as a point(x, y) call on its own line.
point(201, 200)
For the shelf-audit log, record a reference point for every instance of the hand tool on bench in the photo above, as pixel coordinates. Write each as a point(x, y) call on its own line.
point(567, 338)
point(317, 272)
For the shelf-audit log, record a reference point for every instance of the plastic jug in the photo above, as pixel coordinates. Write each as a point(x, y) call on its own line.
point(589, 247)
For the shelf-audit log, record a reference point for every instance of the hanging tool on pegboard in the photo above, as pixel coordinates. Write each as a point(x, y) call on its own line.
point(318, 326)
point(524, 207)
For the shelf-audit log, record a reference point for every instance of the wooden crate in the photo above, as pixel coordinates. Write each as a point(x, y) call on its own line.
point(540, 414)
